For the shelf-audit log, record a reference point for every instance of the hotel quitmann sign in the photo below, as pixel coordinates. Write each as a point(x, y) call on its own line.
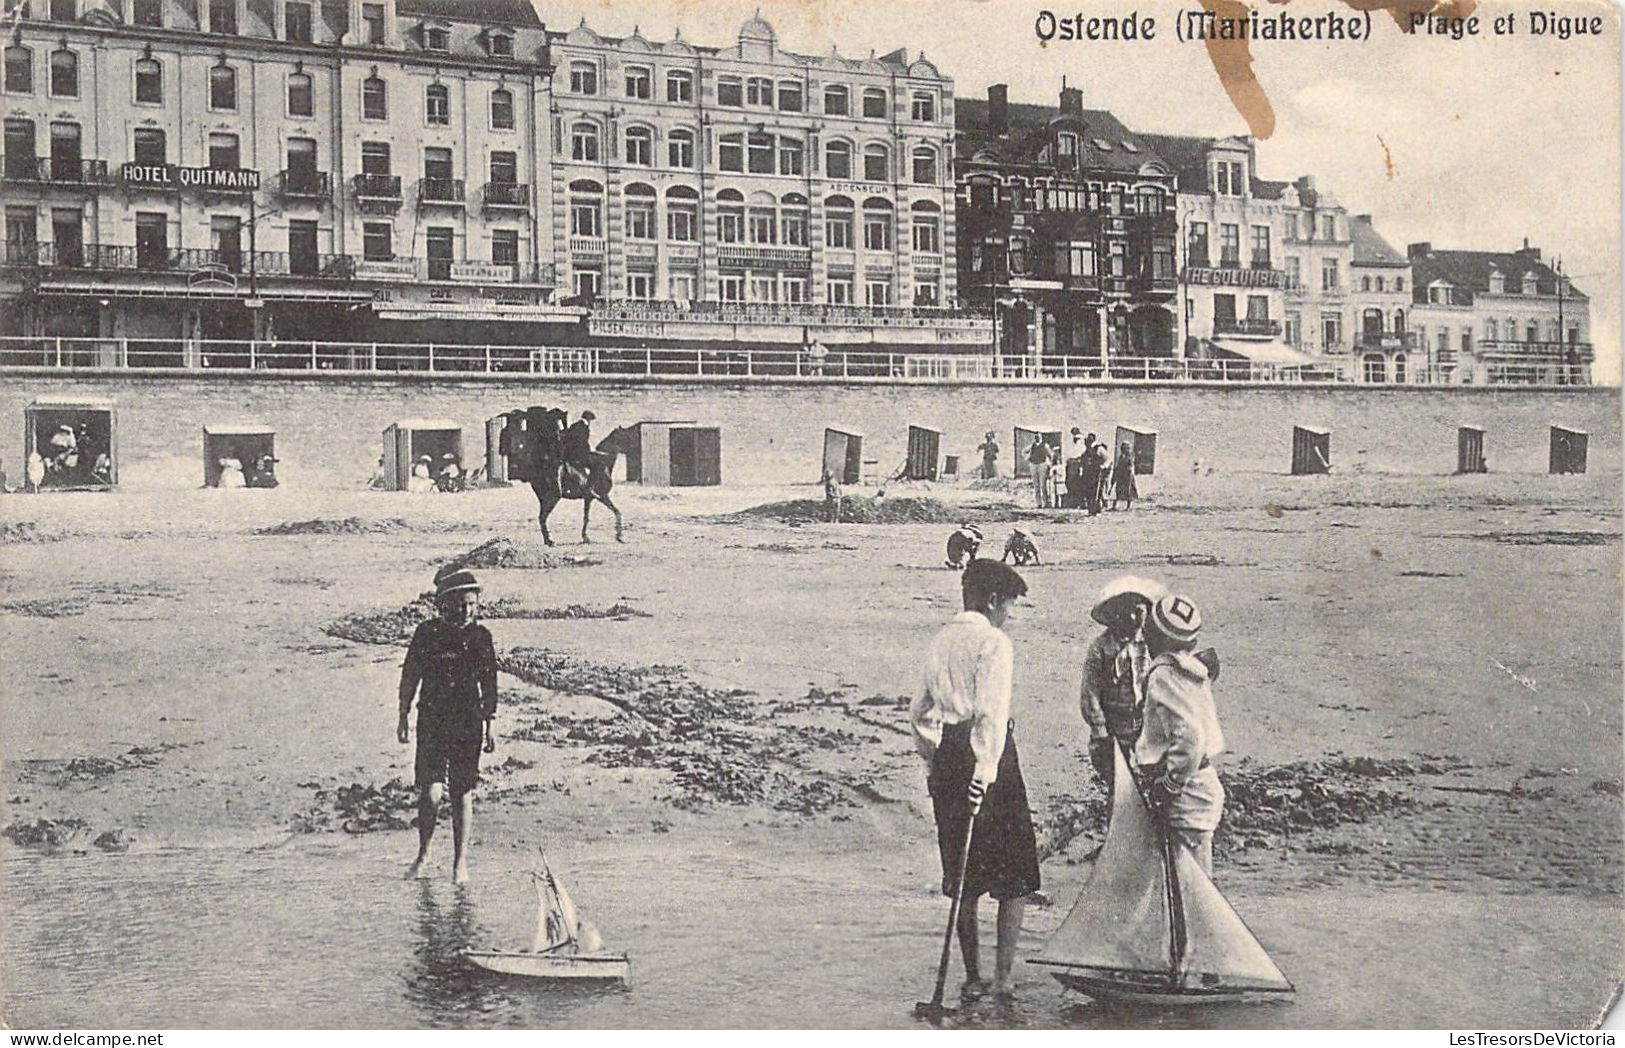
point(171, 176)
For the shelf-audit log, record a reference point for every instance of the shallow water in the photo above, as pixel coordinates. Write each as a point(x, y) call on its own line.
point(321, 933)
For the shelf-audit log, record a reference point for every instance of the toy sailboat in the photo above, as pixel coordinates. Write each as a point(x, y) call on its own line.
point(565, 945)
point(1153, 931)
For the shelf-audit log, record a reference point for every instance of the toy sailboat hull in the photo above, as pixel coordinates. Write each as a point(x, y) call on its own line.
point(1131, 987)
point(609, 967)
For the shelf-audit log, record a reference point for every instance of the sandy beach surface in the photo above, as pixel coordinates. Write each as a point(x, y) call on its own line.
point(207, 813)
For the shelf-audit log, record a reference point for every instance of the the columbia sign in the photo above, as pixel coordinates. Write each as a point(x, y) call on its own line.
point(231, 179)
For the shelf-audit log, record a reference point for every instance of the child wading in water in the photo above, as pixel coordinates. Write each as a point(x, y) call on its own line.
point(453, 660)
point(963, 728)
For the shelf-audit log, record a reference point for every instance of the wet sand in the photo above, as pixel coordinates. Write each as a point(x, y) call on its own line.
point(1421, 690)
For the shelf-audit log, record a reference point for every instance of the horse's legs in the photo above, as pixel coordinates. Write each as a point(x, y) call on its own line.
point(547, 503)
point(586, 513)
point(605, 500)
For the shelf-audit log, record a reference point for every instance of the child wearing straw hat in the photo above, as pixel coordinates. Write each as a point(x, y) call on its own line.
point(1114, 667)
point(451, 668)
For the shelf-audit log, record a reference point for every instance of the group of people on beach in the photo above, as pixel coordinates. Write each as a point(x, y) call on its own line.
point(1145, 691)
point(69, 458)
point(1087, 479)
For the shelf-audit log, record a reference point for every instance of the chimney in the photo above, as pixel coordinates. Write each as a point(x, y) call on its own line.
point(1307, 182)
point(1071, 99)
point(998, 108)
point(1531, 253)
point(1421, 250)
point(1364, 220)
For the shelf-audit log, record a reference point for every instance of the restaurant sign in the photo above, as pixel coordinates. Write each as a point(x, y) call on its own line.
point(170, 176)
point(1270, 278)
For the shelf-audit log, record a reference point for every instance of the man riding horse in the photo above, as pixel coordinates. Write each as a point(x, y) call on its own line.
point(564, 465)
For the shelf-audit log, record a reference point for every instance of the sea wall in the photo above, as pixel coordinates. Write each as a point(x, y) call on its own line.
point(329, 427)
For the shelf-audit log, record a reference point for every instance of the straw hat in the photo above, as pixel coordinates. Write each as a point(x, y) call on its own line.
point(1125, 586)
point(1177, 618)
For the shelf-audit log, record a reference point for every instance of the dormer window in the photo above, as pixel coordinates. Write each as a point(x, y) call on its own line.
point(296, 21)
point(1066, 144)
point(1498, 283)
point(1130, 147)
point(436, 38)
point(148, 13)
point(639, 83)
point(501, 45)
point(583, 78)
point(223, 17)
point(1229, 178)
point(924, 107)
point(1529, 284)
point(1102, 145)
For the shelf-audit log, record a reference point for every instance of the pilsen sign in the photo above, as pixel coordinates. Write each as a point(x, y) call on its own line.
point(1273, 278)
point(231, 180)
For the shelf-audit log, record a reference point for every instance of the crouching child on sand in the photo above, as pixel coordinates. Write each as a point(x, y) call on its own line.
point(963, 727)
point(451, 667)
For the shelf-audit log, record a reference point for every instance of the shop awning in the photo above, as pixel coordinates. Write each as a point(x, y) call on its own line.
point(1263, 351)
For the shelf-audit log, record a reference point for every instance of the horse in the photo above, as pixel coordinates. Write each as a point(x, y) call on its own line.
point(600, 479)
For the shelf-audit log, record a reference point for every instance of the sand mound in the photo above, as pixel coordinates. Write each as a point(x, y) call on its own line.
point(860, 509)
point(1551, 538)
point(501, 553)
point(396, 626)
point(358, 526)
point(26, 531)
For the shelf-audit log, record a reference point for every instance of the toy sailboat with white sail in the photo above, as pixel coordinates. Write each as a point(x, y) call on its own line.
point(565, 946)
point(1151, 927)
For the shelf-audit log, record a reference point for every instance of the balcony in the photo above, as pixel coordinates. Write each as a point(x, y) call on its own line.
point(1387, 340)
point(1536, 352)
point(1155, 285)
point(507, 195)
point(61, 171)
point(301, 184)
point(1159, 223)
point(1246, 326)
point(769, 255)
point(440, 191)
point(377, 194)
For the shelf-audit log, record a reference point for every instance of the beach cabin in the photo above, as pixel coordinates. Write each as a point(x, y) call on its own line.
point(648, 459)
point(1311, 450)
point(924, 452)
point(76, 439)
point(410, 439)
point(696, 455)
point(843, 454)
point(496, 450)
point(1470, 450)
point(1568, 450)
point(1143, 442)
point(1024, 442)
point(249, 443)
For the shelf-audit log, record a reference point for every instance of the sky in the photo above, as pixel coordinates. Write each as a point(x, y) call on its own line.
point(1471, 144)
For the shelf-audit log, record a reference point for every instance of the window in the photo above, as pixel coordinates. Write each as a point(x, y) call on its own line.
point(679, 85)
point(1373, 368)
point(1329, 279)
point(795, 289)
point(877, 225)
point(790, 99)
point(1382, 283)
point(1467, 340)
point(1224, 312)
point(302, 164)
point(374, 99)
point(925, 166)
point(876, 163)
point(372, 19)
point(1075, 259)
point(1328, 227)
point(1365, 283)
point(1227, 179)
point(837, 101)
point(877, 293)
point(149, 81)
point(1196, 249)
point(680, 149)
point(1331, 331)
point(586, 209)
point(1066, 145)
point(764, 289)
point(682, 214)
point(148, 13)
point(794, 220)
point(639, 83)
point(224, 153)
point(1399, 366)
point(1529, 287)
point(68, 233)
point(584, 142)
point(222, 87)
point(301, 100)
point(226, 238)
point(1399, 321)
point(437, 104)
point(730, 91)
point(1151, 202)
point(296, 21)
point(63, 10)
point(505, 167)
point(790, 156)
point(64, 74)
point(583, 78)
point(874, 102)
point(19, 149)
point(502, 109)
point(1492, 330)
point(436, 39)
point(587, 283)
point(730, 217)
point(1292, 330)
point(437, 163)
point(1258, 308)
point(1229, 244)
point(838, 160)
point(501, 45)
point(927, 234)
point(762, 225)
point(927, 294)
point(19, 70)
point(640, 213)
point(375, 158)
point(640, 286)
point(1399, 283)
point(924, 106)
point(377, 241)
point(438, 242)
point(681, 286)
point(838, 216)
point(1294, 271)
point(761, 154)
point(149, 146)
point(1261, 247)
point(731, 287)
point(640, 146)
point(839, 290)
point(758, 91)
point(223, 17)
point(151, 240)
point(1162, 258)
point(505, 247)
point(731, 152)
